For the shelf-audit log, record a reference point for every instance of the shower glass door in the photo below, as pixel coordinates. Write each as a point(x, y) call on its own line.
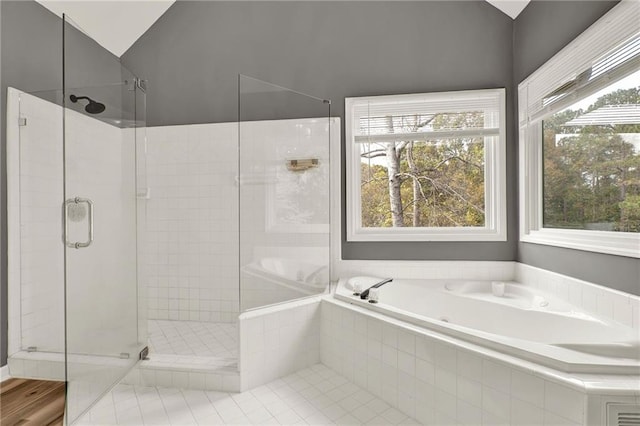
point(284, 195)
point(103, 120)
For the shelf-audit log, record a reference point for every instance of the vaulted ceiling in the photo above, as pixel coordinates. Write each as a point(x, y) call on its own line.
point(117, 24)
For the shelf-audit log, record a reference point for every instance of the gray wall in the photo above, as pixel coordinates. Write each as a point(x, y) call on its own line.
point(543, 29)
point(31, 51)
point(332, 50)
point(33, 64)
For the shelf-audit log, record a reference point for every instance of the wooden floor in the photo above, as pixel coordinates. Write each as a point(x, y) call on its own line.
point(31, 402)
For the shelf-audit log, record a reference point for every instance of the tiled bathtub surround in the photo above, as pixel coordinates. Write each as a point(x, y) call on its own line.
point(617, 305)
point(442, 381)
point(191, 256)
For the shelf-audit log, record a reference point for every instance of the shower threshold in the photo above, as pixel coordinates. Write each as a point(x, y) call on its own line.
point(190, 354)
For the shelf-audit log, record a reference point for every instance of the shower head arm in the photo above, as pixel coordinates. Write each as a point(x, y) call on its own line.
point(75, 98)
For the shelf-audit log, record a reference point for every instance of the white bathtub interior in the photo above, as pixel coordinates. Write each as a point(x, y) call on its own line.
point(524, 320)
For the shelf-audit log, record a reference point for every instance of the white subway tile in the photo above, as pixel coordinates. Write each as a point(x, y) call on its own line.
point(469, 391)
point(526, 387)
point(445, 356)
point(496, 375)
point(495, 402)
point(469, 365)
point(563, 401)
point(467, 414)
point(446, 381)
point(526, 414)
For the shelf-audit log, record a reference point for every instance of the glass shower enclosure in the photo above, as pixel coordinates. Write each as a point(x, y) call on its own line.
point(284, 194)
point(103, 124)
point(76, 224)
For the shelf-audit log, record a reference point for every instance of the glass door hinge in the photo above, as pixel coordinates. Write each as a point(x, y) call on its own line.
point(22, 121)
point(144, 354)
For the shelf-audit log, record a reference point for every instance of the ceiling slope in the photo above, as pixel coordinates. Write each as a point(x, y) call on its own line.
point(115, 24)
point(510, 7)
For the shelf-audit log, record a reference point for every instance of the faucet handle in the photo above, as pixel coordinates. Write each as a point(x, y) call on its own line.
point(358, 287)
point(374, 295)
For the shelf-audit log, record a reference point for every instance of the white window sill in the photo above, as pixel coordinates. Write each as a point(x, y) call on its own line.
point(429, 234)
point(615, 243)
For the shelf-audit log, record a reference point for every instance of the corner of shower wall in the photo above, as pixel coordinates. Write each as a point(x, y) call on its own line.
point(190, 253)
point(278, 340)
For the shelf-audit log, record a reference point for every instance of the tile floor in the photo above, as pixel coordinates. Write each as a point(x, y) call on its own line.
point(314, 396)
point(200, 339)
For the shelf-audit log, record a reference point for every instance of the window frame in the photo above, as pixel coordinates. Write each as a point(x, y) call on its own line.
point(609, 35)
point(495, 228)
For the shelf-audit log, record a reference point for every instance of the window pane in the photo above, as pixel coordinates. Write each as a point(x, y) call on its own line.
point(438, 183)
point(592, 161)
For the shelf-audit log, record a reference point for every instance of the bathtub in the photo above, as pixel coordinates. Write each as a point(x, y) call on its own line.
point(304, 277)
point(523, 322)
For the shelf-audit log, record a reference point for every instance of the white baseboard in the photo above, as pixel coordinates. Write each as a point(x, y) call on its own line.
point(4, 373)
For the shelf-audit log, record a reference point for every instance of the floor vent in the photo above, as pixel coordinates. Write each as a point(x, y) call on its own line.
point(623, 415)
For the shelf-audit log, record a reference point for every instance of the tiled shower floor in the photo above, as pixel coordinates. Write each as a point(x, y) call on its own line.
point(200, 339)
point(192, 345)
point(313, 396)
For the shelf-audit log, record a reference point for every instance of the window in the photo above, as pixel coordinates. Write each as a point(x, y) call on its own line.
point(580, 141)
point(426, 167)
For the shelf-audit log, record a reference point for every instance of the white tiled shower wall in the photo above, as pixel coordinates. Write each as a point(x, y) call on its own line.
point(191, 259)
point(190, 265)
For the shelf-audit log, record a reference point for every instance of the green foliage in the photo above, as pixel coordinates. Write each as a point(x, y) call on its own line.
point(441, 181)
point(591, 173)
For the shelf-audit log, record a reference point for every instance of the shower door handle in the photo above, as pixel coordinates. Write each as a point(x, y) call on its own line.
point(76, 201)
